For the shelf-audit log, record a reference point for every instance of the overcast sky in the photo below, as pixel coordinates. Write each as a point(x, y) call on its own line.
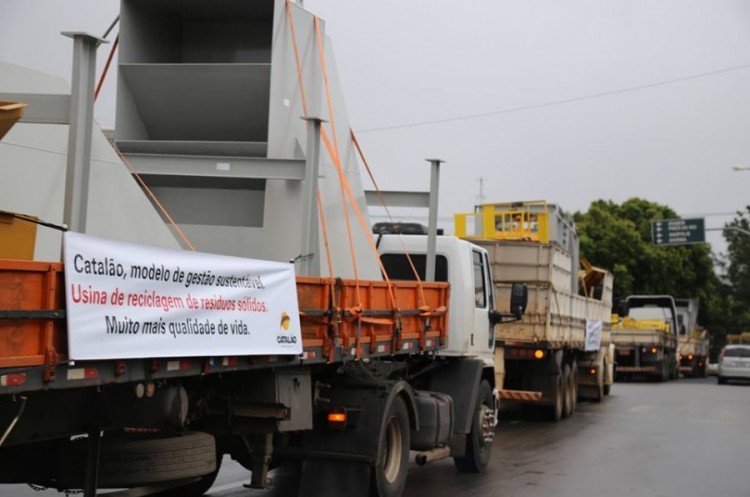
point(568, 101)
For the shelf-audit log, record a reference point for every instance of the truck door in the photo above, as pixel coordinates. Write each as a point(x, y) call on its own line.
point(483, 338)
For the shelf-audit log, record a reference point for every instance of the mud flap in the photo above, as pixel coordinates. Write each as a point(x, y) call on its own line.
point(339, 462)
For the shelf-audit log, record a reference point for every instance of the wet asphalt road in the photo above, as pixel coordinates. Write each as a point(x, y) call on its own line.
point(686, 438)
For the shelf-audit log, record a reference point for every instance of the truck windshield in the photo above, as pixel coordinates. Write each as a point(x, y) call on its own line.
point(398, 268)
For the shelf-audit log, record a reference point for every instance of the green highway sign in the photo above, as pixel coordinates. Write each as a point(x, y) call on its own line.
point(678, 231)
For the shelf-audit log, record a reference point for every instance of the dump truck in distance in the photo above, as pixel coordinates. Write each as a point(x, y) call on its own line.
point(693, 340)
point(645, 338)
point(560, 350)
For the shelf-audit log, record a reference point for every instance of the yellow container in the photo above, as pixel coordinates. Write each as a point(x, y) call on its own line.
point(17, 236)
point(10, 112)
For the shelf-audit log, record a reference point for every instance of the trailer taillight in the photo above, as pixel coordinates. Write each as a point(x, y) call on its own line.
point(592, 371)
point(12, 380)
point(539, 354)
point(653, 350)
point(690, 357)
point(337, 418)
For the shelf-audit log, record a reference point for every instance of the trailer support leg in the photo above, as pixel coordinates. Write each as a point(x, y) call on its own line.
point(92, 454)
point(261, 462)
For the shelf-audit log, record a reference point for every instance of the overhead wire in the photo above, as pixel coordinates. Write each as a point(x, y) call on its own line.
point(553, 103)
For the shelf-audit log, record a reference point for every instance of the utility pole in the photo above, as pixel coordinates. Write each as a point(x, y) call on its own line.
point(480, 197)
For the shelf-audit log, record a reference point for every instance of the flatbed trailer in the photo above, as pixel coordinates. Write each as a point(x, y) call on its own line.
point(33, 332)
point(361, 371)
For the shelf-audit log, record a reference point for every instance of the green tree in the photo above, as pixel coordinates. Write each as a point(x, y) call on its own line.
point(618, 238)
point(735, 265)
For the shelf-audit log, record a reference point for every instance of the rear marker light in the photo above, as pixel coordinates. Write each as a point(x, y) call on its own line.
point(82, 373)
point(12, 380)
point(690, 357)
point(653, 350)
point(592, 371)
point(337, 419)
point(182, 365)
point(538, 354)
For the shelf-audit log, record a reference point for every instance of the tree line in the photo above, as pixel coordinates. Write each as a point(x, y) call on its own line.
point(617, 237)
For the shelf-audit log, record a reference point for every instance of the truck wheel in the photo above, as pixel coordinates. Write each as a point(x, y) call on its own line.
point(568, 391)
point(479, 441)
point(389, 473)
point(607, 386)
point(599, 387)
point(574, 385)
point(554, 412)
point(722, 380)
point(195, 489)
point(133, 462)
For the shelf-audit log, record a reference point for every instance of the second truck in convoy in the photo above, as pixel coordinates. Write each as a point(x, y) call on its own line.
point(561, 349)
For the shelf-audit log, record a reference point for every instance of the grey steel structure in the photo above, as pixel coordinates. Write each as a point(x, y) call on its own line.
point(33, 157)
point(209, 111)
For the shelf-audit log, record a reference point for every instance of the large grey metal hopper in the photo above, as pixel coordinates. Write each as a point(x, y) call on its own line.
point(209, 113)
point(194, 77)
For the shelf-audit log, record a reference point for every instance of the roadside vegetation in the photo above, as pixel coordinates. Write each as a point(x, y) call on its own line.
point(618, 237)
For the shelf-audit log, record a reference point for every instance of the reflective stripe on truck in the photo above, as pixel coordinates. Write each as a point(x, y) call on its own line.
point(524, 395)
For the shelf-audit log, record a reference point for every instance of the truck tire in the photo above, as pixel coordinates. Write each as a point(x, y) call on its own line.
point(574, 385)
point(665, 374)
point(553, 413)
point(599, 387)
point(389, 472)
point(195, 489)
point(479, 441)
point(568, 391)
point(722, 380)
point(607, 374)
point(144, 460)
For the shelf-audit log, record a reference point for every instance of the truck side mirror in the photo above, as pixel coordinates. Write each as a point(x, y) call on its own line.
point(495, 317)
point(519, 297)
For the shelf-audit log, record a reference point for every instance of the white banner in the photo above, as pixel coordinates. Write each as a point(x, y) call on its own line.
point(593, 335)
point(132, 301)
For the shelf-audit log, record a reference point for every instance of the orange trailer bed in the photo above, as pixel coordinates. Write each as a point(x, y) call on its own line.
point(341, 319)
